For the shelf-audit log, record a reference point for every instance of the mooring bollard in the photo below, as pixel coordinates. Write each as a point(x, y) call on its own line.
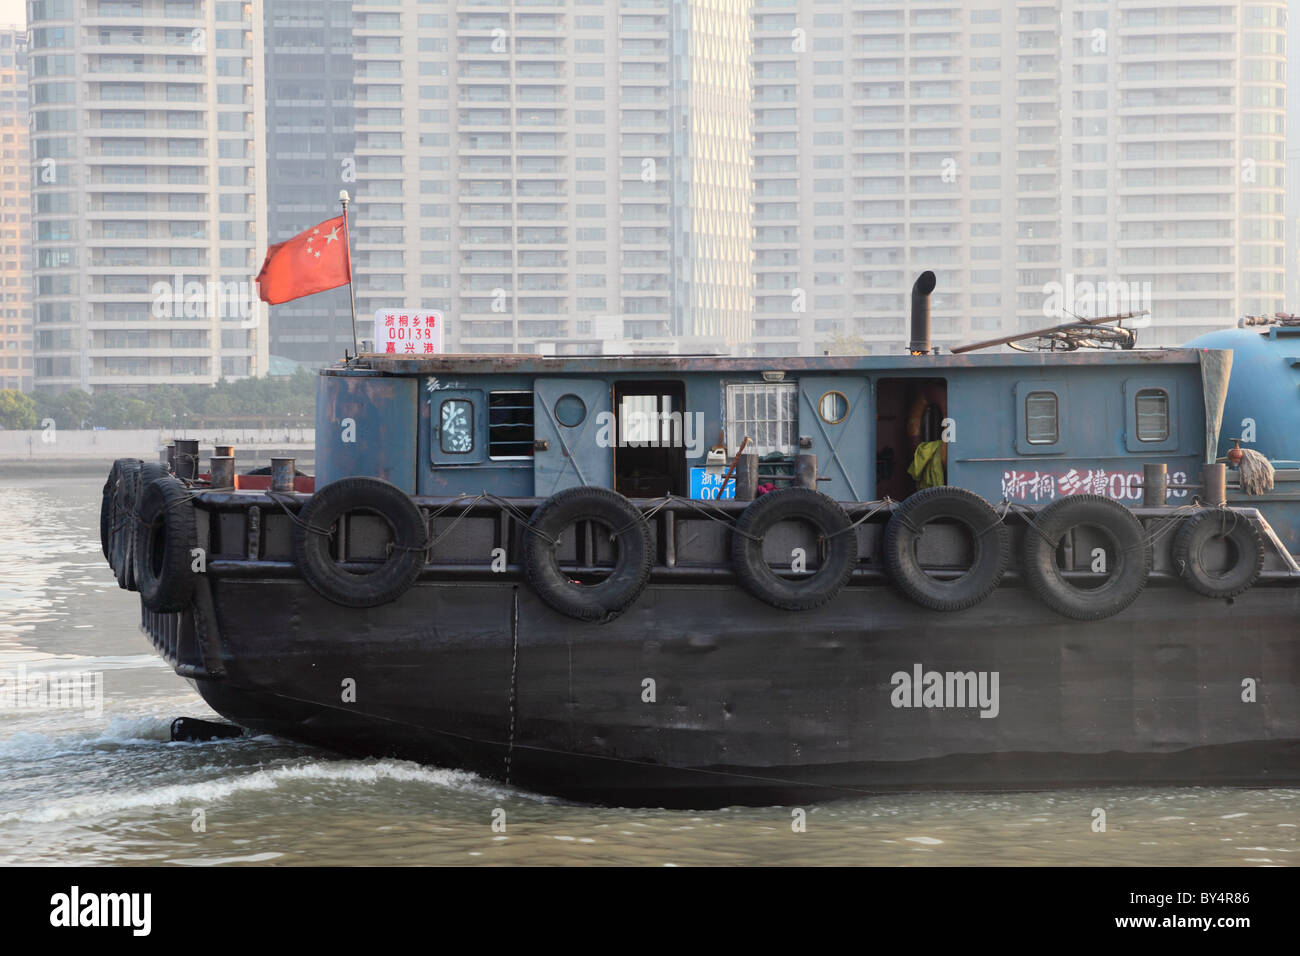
point(282, 470)
point(170, 452)
point(224, 451)
point(221, 469)
point(747, 477)
point(1215, 479)
point(1155, 485)
point(187, 458)
point(805, 471)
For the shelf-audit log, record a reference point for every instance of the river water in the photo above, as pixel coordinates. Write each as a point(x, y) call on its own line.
point(87, 787)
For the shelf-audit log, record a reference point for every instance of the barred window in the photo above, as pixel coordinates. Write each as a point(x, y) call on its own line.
point(766, 412)
point(510, 424)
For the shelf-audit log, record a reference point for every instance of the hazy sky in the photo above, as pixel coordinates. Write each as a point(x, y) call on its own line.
point(13, 12)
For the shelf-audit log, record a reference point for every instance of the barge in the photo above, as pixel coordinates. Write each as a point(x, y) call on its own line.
point(699, 581)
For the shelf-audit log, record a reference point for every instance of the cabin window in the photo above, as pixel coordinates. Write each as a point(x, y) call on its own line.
point(570, 410)
point(510, 424)
point(458, 431)
point(1150, 404)
point(1042, 420)
point(766, 412)
point(457, 426)
point(833, 407)
point(1152, 414)
point(1042, 416)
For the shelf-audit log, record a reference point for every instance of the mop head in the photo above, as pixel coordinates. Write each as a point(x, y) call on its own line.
point(1256, 472)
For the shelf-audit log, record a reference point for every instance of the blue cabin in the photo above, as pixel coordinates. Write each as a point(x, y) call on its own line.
point(1025, 427)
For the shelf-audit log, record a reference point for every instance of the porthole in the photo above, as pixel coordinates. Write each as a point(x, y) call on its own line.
point(570, 410)
point(833, 407)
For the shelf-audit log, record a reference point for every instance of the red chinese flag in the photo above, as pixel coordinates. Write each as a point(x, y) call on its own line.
point(312, 261)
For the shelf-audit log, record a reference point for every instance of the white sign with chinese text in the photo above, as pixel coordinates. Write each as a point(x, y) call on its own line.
point(402, 332)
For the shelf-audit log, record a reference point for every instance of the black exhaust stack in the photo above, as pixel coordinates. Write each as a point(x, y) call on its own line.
point(921, 290)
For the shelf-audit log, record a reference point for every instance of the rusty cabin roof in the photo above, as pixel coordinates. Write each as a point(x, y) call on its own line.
point(509, 363)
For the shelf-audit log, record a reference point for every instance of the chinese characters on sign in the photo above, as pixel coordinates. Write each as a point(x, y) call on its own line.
point(399, 332)
point(1047, 485)
point(706, 485)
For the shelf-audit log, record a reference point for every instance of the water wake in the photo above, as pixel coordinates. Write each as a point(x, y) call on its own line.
point(367, 773)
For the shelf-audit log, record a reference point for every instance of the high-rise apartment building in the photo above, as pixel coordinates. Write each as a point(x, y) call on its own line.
point(15, 216)
point(310, 156)
point(556, 175)
point(1043, 158)
point(148, 140)
point(892, 138)
point(1174, 123)
point(1293, 172)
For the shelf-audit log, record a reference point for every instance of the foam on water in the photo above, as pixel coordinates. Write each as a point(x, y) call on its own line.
point(120, 732)
point(364, 772)
point(227, 860)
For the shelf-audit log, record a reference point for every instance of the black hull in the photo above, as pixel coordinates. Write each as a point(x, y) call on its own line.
point(757, 706)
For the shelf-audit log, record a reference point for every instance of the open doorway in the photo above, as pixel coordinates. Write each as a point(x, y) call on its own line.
point(909, 413)
point(650, 459)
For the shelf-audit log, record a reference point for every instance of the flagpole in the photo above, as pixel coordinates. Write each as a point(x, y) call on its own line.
point(347, 247)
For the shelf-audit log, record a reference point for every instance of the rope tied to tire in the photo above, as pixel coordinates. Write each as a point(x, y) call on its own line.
point(178, 502)
point(1032, 524)
point(643, 517)
point(911, 526)
point(1170, 522)
point(1030, 517)
point(1161, 525)
point(721, 517)
point(880, 505)
point(133, 520)
point(905, 521)
point(1000, 520)
point(309, 528)
point(519, 514)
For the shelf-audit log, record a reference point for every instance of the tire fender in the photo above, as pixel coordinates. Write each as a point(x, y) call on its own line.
point(1243, 538)
point(835, 532)
point(133, 476)
point(312, 542)
point(992, 548)
point(164, 538)
point(1125, 578)
point(605, 600)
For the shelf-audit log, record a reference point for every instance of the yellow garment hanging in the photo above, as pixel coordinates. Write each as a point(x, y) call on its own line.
point(926, 468)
